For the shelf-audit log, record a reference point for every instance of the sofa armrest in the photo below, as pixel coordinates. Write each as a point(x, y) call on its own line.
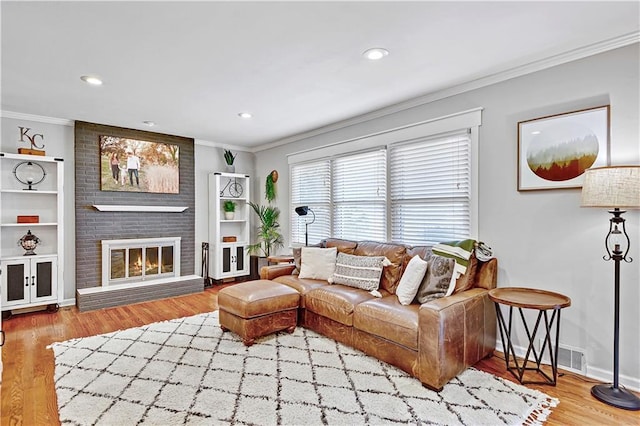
point(454, 333)
point(273, 271)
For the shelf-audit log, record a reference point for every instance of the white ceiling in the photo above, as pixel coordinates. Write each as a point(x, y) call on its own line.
point(191, 67)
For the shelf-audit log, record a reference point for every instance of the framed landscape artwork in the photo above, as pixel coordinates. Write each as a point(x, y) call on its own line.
point(132, 165)
point(554, 151)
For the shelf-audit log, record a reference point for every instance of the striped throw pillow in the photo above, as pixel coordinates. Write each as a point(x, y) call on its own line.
point(362, 272)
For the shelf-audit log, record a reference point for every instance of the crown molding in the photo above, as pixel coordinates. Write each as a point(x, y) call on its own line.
point(37, 118)
point(221, 145)
point(539, 65)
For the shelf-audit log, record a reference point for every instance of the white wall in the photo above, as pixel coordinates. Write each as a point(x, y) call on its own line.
point(542, 239)
point(58, 141)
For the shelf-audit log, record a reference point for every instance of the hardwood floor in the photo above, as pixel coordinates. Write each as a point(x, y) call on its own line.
point(28, 395)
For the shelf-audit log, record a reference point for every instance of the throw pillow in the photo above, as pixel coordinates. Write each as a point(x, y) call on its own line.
point(411, 280)
point(297, 259)
point(362, 272)
point(439, 280)
point(317, 263)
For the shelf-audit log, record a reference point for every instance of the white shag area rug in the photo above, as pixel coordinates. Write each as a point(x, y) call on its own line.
point(188, 372)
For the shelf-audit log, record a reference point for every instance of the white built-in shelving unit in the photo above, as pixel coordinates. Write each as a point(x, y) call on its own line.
point(35, 280)
point(228, 259)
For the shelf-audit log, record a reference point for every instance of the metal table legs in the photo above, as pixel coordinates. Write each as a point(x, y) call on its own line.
point(518, 368)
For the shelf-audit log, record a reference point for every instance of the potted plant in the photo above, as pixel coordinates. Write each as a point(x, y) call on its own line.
point(229, 158)
point(269, 236)
point(270, 186)
point(229, 208)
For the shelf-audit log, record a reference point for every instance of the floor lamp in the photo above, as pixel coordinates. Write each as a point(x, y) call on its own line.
point(614, 187)
point(303, 211)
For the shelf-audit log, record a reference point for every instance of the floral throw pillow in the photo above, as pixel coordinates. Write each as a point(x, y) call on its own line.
point(439, 280)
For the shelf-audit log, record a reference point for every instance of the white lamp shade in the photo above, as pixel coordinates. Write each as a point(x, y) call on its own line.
point(615, 186)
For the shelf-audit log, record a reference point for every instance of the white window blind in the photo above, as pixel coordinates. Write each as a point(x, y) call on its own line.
point(430, 189)
point(359, 184)
point(311, 186)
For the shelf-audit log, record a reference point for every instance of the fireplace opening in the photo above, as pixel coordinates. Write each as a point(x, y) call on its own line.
point(139, 260)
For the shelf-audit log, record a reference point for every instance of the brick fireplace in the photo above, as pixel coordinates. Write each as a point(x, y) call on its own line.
point(115, 216)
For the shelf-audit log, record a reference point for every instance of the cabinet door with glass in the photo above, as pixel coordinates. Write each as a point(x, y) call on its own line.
point(29, 281)
point(234, 260)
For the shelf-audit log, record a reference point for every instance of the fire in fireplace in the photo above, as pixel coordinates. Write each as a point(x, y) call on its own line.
point(135, 260)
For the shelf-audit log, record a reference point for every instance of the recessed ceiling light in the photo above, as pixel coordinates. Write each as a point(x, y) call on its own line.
point(375, 53)
point(536, 132)
point(94, 81)
point(149, 123)
point(245, 115)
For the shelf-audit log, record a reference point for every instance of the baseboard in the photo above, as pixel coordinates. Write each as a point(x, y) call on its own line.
point(605, 376)
point(68, 302)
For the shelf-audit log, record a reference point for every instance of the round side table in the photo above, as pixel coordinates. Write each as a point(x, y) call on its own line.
point(543, 301)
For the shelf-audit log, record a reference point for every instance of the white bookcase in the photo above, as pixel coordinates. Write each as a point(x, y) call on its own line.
point(228, 259)
point(34, 280)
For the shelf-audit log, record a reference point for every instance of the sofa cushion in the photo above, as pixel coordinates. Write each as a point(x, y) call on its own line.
point(301, 285)
point(318, 263)
point(343, 246)
point(362, 272)
point(411, 279)
point(388, 319)
point(336, 302)
point(438, 282)
point(394, 252)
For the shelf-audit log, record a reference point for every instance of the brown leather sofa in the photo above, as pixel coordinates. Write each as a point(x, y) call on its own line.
point(433, 342)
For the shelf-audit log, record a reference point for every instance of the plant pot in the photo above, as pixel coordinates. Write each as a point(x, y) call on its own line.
point(229, 215)
point(255, 264)
point(231, 168)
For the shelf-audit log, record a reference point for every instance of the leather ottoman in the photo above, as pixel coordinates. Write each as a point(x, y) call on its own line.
point(256, 308)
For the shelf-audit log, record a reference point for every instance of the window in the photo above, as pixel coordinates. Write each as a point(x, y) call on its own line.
point(415, 184)
point(430, 190)
point(360, 196)
point(311, 186)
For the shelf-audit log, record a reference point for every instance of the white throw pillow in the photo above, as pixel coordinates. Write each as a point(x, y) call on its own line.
point(411, 280)
point(318, 263)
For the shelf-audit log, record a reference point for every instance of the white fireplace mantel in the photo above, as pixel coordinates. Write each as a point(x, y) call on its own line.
point(132, 208)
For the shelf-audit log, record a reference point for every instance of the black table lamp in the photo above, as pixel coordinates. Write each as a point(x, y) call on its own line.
point(614, 187)
point(303, 211)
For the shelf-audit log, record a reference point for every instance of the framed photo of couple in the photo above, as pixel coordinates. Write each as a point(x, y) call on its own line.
point(131, 165)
